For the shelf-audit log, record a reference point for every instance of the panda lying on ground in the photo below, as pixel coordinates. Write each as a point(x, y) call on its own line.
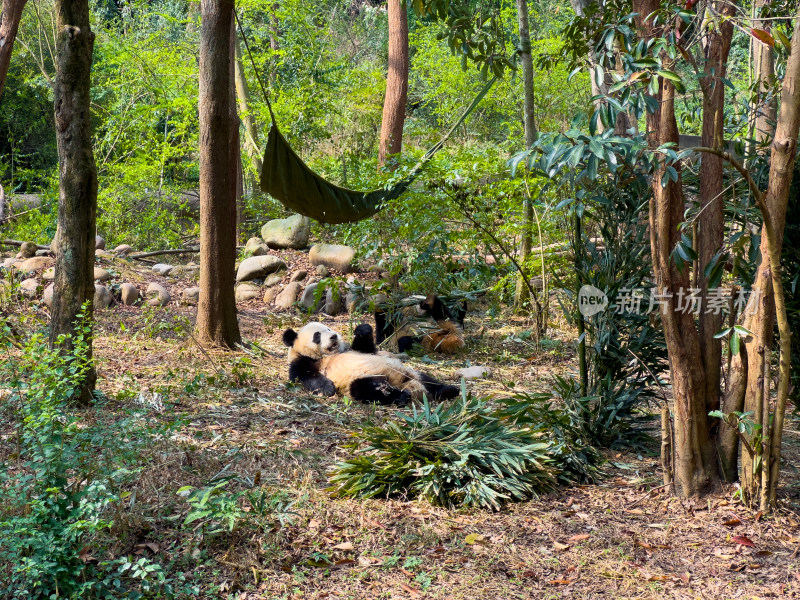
point(318, 360)
point(403, 332)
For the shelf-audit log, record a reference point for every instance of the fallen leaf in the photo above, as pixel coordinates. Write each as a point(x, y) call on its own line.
point(764, 553)
point(474, 538)
point(732, 522)
point(345, 562)
point(580, 537)
point(314, 524)
point(686, 577)
point(561, 581)
point(407, 572)
point(409, 589)
point(560, 546)
point(530, 574)
point(743, 541)
point(659, 578)
point(343, 546)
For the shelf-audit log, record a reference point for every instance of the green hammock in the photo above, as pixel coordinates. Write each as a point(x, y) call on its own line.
point(286, 177)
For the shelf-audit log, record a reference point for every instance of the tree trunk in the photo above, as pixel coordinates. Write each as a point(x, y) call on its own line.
point(219, 127)
point(77, 199)
point(747, 369)
point(711, 222)
point(192, 12)
point(394, 104)
point(251, 139)
point(521, 294)
point(9, 23)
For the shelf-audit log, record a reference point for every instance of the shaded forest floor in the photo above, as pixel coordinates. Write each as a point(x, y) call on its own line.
point(624, 538)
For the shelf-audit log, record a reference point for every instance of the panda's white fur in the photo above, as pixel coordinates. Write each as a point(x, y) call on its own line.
point(343, 367)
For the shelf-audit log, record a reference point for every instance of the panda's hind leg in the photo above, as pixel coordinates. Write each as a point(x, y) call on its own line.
point(378, 389)
point(438, 390)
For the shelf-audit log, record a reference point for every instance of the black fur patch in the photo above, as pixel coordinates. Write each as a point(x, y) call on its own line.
point(378, 389)
point(363, 340)
point(317, 337)
point(435, 308)
point(383, 327)
point(405, 343)
point(437, 390)
point(306, 371)
point(289, 337)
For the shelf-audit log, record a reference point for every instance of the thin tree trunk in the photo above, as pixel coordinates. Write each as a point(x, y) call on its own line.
point(193, 11)
point(251, 139)
point(9, 24)
point(521, 294)
point(711, 222)
point(394, 104)
point(73, 285)
point(219, 127)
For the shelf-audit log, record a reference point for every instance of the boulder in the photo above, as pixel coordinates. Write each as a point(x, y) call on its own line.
point(11, 262)
point(274, 279)
point(27, 250)
point(34, 264)
point(47, 296)
point(292, 232)
point(474, 372)
point(247, 291)
point(258, 266)
point(185, 272)
point(129, 294)
point(49, 274)
point(333, 256)
point(322, 271)
point(157, 294)
point(162, 269)
point(298, 275)
point(271, 294)
point(42, 253)
point(123, 250)
point(355, 301)
point(288, 295)
point(99, 243)
point(255, 246)
point(28, 287)
point(191, 296)
point(308, 301)
point(102, 296)
point(101, 274)
point(333, 302)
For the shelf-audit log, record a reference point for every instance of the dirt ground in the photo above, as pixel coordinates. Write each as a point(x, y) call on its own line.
point(624, 538)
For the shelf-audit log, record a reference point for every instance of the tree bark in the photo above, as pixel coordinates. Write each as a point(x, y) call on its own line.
point(394, 104)
point(521, 294)
point(77, 201)
point(711, 221)
point(216, 312)
point(9, 24)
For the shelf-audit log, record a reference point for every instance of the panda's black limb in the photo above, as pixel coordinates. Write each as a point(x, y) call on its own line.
point(406, 343)
point(363, 340)
point(383, 326)
point(438, 390)
point(306, 371)
point(378, 390)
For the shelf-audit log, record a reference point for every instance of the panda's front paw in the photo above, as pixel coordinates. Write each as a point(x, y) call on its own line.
point(327, 388)
point(403, 399)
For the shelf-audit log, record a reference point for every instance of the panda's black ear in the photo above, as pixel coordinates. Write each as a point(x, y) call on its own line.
point(289, 337)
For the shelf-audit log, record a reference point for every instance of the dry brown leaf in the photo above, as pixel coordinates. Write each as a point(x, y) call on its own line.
point(344, 546)
point(559, 546)
point(580, 537)
point(743, 541)
point(409, 589)
point(732, 522)
point(562, 581)
point(659, 578)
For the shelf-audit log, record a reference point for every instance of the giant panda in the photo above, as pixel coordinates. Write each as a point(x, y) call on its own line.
point(318, 360)
point(403, 330)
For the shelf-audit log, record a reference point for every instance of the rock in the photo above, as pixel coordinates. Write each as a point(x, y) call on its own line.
point(42, 253)
point(474, 372)
point(298, 275)
point(28, 287)
point(292, 232)
point(322, 271)
point(288, 296)
point(129, 294)
point(274, 279)
point(258, 266)
point(185, 272)
point(27, 250)
point(162, 269)
point(49, 274)
point(157, 294)
point(191, 296)
point(255, 246)
point(102, 296)
point(308, 301)
point(11, 262)
point(99, 243)
point(47, 296)
point(101, 274)
point(333, 256)
point(123, 250)
point(36, 263)
point(271, 294)
point(333, 302)
point(104, 254)
point(247, 291)
point(355, 301)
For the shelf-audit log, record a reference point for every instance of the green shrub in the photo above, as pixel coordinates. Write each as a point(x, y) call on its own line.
point(58, 492)
point(459, 453)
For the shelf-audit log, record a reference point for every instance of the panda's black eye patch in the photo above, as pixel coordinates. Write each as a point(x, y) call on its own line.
point(317, 337)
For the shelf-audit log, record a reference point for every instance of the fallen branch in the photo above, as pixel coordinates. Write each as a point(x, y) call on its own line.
point(18, 243)
point(160, 252)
